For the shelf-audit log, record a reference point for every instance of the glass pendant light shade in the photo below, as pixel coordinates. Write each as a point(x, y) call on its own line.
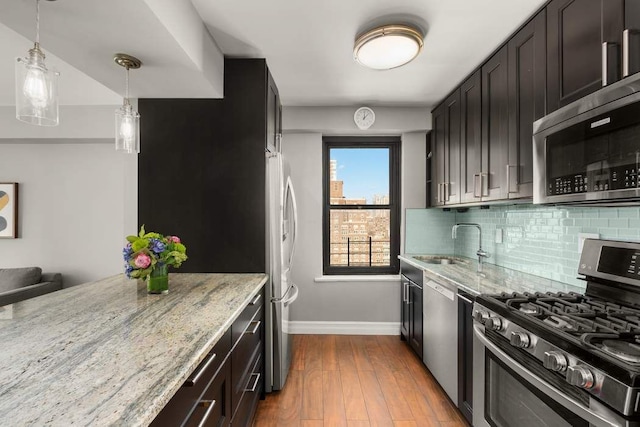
point(36, 86)
point(127, 129)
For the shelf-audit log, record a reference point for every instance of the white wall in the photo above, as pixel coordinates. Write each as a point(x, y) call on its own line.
point(77, 202)
point(369, 301)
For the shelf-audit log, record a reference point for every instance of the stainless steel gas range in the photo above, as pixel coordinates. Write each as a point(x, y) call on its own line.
point(563, 359)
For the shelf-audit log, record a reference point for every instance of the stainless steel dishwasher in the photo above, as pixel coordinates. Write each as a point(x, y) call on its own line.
point(440, 344)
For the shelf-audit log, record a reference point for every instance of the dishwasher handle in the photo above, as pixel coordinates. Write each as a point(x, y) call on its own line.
point(442, 290)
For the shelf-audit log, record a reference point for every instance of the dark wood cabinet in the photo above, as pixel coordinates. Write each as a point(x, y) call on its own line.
point(411, 307)
point(576, 30)
point(225, 388)
point(465, 355)
point(495, 127)
point(201, 171)
point(470, 138)
point(438, 148)
point(527, 70)
point(446, 147)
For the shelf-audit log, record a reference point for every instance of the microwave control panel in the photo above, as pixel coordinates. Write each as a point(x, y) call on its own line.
point(614, 178)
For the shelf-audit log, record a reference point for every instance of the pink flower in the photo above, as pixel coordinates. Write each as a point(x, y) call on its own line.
point(174, 239)
point(142, 260)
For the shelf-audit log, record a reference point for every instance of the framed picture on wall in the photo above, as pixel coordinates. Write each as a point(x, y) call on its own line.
point(8, 210)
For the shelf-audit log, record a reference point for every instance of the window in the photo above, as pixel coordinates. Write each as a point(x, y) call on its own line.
point(361, 191)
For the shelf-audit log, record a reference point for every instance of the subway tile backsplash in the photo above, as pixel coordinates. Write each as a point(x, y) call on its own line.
point(540, 240)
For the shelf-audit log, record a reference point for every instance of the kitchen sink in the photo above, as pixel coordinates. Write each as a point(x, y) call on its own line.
point(434, 259)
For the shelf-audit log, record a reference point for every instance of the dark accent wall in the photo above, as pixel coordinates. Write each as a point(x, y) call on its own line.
point(201, 171)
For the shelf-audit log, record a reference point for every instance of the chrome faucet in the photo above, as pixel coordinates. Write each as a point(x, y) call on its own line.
point(480, 252)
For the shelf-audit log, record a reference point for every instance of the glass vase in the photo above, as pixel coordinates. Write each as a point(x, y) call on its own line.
point(158, 280)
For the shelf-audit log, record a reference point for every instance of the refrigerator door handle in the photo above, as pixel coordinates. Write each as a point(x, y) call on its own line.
point(293, 297)
point(290, 193)
point(283, 297)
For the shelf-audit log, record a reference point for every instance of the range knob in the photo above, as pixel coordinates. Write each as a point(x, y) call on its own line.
point(520, 339)
point(555, 361)
point(494, 323)
point(480, 316)
point(580, 376)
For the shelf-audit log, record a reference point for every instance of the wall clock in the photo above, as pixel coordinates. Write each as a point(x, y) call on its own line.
point(364, 117)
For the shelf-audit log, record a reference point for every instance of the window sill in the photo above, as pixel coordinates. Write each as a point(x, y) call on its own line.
point(359, 278)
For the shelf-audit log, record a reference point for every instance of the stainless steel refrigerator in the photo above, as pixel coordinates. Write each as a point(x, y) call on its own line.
point(281, 291)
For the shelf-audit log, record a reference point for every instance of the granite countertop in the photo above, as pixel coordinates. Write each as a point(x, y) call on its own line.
point(492, 280)
point(108, 353)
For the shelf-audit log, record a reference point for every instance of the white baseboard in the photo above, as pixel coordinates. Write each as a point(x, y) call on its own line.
point(344, 328)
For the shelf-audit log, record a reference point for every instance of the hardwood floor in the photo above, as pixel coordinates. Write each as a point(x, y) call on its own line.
point(357, 381)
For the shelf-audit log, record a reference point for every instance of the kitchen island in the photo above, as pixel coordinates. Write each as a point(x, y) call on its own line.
point(108, 353)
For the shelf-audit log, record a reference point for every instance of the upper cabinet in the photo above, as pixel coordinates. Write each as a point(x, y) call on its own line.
point(575, 30)
point(445, 145)
point(471, 139)
point(495, 127)
point(527, 66)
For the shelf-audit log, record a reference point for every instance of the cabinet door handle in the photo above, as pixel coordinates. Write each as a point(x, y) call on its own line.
point(484, 183)
point(609, 63)
point(439, 193)
point(209, 404)
point(509, 190)
point(193, 379)
point(255, 383)
point(625, 53)
point(256, 299)
point(476, 185)
point(404, 292)
point(627, 35)
point(256, 325)
point(446, 191)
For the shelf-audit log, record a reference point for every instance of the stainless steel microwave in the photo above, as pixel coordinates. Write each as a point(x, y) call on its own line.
point(588, 152)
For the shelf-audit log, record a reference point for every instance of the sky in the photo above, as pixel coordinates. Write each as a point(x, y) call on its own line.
point(365, 171)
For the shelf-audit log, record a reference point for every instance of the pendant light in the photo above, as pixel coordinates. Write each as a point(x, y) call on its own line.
point(36, 85)
point(127, 119)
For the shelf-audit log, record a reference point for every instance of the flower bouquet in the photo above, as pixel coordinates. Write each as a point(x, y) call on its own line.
point(147, 256)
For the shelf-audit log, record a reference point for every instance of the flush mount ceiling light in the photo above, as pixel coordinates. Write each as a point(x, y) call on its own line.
point(127, 119)
point(36, 86)
point(387, 47)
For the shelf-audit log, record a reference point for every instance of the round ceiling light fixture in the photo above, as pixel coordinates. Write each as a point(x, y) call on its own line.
point(389, 46)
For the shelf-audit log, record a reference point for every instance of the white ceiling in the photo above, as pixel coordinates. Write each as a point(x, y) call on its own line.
point(308, 46)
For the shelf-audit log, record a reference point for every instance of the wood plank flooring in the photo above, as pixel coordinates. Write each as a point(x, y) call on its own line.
point(357, 381)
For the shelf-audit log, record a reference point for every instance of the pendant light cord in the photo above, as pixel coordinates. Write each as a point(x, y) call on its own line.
point(37, 22)
point(126, 90)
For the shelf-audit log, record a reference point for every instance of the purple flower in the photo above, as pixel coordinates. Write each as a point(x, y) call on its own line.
point(127, 252)
point(157, 246)
point(127, 270)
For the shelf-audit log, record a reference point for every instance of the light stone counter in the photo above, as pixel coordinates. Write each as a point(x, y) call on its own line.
point(106, 352)
point(492, 280)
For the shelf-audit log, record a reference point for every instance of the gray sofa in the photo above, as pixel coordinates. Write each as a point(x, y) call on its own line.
point(17, 284)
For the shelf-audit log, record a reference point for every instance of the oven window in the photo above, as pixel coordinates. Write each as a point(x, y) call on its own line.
point(511, 401)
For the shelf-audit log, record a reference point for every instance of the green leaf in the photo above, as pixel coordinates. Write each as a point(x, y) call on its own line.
point(141, 231)
point(139, 244)
point(132, 239)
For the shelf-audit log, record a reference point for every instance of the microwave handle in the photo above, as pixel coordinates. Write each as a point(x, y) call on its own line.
point(561, 398)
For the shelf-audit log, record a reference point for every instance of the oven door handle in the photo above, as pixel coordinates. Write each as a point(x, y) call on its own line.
point(555, 394)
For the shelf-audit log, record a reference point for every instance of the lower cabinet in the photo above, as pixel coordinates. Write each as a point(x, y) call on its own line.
point(465, 355)
point(225, 388)
point(411, 307)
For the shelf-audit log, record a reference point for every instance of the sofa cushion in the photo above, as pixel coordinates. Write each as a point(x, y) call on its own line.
point(14, 278)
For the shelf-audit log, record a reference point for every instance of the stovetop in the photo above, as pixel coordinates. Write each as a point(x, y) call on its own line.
point(608, 333)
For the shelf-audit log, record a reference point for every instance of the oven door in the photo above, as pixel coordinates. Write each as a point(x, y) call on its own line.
point(507, 394)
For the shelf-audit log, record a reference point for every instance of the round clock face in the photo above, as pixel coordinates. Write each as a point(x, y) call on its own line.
point(364, 117)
